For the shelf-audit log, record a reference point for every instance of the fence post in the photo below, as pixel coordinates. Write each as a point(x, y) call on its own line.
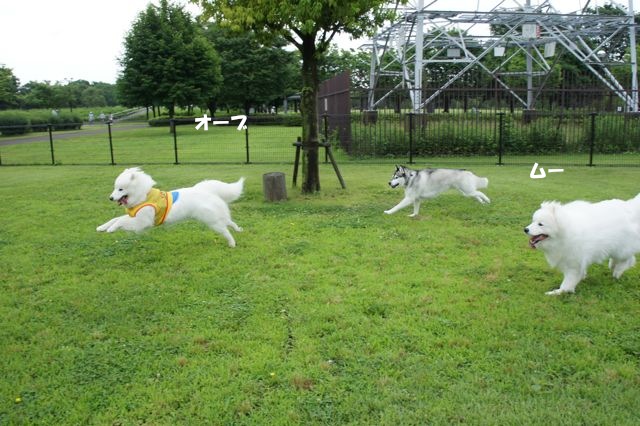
point(110, 143)
point(411, 138)
point(500, 137)
point(326, 134)
point(592, 138)
point(172, 123)
point(53, 159)
point(246, 141)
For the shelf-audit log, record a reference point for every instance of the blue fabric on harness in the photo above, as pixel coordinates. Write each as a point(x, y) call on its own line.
point(175, 195)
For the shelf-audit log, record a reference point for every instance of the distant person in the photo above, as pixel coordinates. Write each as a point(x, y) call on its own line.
point(91, 117)
point(111, 117)
point(102, 116)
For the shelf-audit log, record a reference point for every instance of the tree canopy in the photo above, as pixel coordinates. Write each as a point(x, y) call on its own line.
point(253, 74)
point(58, 95)
point(168, 61)
point(310, 26)
point(8, 88)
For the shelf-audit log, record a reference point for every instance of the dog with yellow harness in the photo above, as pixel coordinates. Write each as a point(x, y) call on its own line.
point(147, 206)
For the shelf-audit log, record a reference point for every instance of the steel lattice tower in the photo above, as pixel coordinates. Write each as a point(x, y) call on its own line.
point(464, 37)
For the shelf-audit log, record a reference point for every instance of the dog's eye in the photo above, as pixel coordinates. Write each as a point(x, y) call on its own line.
point(540, 224)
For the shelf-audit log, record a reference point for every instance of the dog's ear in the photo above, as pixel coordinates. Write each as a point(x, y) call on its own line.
point(552, 206)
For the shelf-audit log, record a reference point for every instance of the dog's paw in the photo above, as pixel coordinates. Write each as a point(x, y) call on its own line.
point(101, 228)
point(557, 291)
point(388, 212)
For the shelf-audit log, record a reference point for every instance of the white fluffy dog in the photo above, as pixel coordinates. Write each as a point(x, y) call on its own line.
point(147, 206)
point(575, 235)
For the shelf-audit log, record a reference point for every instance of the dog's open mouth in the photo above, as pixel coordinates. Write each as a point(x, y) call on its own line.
point(123, 200)
point(534, 240)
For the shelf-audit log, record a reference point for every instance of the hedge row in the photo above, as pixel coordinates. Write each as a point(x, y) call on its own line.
point(21, 122)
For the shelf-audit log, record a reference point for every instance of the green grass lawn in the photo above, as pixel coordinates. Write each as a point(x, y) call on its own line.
point(327, 312)
point(220, 144)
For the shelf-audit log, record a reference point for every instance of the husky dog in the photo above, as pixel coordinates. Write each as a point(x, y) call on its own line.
point(429, 183)
point(147, 206)
point(578, 234)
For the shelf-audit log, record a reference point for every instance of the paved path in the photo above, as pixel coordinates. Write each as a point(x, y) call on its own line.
point(87, 129)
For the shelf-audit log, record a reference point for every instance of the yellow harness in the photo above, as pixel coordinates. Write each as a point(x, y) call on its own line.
point(161, 201)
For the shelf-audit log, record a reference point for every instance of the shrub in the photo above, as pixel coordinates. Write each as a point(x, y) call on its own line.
point(21, 122)
point(66, 121)
point(14, 123)
point(39, 120)
point(289, 120)
point(164, 120)
point(616, 134)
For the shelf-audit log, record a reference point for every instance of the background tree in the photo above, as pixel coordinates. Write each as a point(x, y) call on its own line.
point(357, 62)
point(36, 94)
point(137, 82)
point(167, 61)
point(615, 47)
point(9, 84)
point(309, 26)
point(70, 94)
point(94, 97)
point(253, 74)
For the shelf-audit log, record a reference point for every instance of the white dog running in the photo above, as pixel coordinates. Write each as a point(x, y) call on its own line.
point(575, 235)
point(147, 206)
point(429, 183)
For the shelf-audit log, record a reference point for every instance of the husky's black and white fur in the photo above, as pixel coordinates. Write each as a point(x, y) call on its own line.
point(429, 183)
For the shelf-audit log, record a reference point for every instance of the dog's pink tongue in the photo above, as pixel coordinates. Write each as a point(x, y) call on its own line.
point(533, 241)
point(122, 201)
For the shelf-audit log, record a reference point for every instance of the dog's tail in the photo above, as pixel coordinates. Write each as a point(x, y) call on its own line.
point(229, 192)
point(481, 182)
point(635, 207)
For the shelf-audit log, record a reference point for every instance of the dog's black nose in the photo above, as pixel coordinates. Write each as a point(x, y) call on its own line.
point(526, 230)
point(111, 198)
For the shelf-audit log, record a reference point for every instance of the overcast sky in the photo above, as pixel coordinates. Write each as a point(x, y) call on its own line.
point(78, 39)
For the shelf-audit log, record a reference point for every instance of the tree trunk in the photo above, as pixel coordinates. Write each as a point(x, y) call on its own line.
point(274, 186)
point(213, 106)
point(309, 110)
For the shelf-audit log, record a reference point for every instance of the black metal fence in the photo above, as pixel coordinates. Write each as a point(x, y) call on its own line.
point(455, 137)
point(492, 137)
point(574, 121)
point(177, 142)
